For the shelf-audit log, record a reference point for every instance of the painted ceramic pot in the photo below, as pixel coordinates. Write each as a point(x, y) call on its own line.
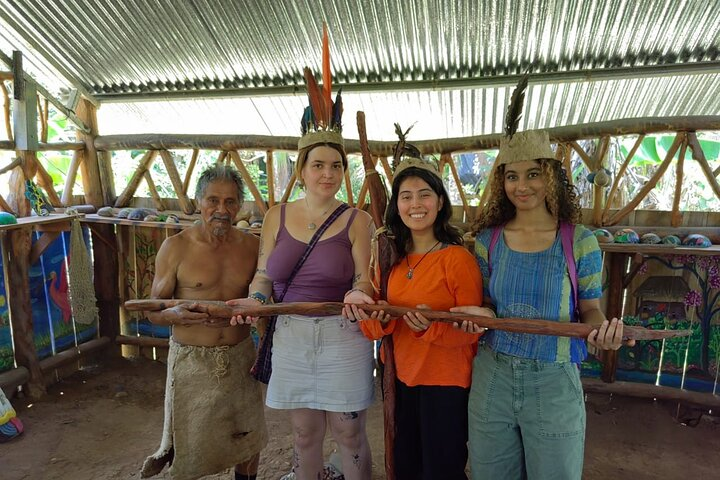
point(650, 239)
point(696, 240)
point(7, 218)
point(671, 240)
point(626, 235)
point(603, 236)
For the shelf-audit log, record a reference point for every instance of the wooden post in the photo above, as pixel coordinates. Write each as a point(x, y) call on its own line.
point(191, 167)
point(619, 176)
point(235, 157)
point(106, 279)
point(18, 241)
point(699, 157)
point(70, 179)
point(270, 166)
point(45, 181)
point(289, 188)
point(348, 187)
point(461, 192)
point(676, 216)
point(650, 183)
point(388, 170)
point(185, 203)
point(153, 191)
point(598, 162)
point(583, 155)
point(97, 193)
point(6, 110)
point(616, 274)
point(145, 162)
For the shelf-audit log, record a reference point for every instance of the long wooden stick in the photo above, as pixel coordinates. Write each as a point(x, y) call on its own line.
point(522, 325)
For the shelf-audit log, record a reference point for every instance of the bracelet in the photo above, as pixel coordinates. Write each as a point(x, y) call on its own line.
point(353, 290)
point(259, 297)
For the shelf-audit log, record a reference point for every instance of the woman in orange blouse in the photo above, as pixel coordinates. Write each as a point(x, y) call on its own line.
point(433, 359)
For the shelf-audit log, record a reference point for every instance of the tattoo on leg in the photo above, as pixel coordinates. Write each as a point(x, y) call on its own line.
point(356, 460)
point(349, 416)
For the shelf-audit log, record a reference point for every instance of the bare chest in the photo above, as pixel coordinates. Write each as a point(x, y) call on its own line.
point(215, 274)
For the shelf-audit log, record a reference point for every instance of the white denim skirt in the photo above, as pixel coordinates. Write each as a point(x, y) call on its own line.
point(323, 363)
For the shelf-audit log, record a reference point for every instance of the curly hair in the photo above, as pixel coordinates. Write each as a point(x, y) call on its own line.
point(561, 200)
point(442, 229)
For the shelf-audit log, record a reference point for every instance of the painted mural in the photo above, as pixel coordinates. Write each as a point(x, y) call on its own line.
point(686, 362)
point(6, 352)
point(139, 246)
point(53, 324)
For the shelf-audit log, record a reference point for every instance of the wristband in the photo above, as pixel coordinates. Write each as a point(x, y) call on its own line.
point(352, 290)
point(259, 297)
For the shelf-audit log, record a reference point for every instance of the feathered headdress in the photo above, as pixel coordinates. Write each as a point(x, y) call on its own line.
point(522, 146)
point(322, 120)
point(406, 155)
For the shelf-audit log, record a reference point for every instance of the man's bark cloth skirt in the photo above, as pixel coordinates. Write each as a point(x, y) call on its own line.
point(213, 411)
point(322, 363)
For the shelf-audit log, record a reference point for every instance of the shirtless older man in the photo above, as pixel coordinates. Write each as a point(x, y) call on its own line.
point(213, 407)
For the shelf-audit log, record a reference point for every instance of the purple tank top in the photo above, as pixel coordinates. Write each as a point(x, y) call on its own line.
point(326, 274)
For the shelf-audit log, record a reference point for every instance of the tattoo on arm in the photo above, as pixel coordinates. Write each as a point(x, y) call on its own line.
point(261, 270)
point(356, 278)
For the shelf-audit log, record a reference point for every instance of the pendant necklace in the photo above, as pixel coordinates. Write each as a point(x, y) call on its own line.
point(311, 225)
point(411, 270)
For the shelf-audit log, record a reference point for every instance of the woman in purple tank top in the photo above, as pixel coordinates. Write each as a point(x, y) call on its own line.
point(321, 366)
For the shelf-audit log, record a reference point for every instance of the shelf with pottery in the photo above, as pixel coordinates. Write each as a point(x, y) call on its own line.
point(644, 249)
point(184, 222)
point(42, 223)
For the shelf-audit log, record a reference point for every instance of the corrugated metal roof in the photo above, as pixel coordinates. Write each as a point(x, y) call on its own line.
point(400, 61)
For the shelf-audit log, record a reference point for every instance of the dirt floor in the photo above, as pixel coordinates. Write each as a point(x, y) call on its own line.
point(101, 422)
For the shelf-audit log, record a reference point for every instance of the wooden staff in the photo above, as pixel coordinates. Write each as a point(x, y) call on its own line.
point(219, 309)
point(378, 203)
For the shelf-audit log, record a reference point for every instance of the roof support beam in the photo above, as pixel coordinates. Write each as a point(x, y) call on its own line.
point(575, 76)
point(56, 103)
point(49, 58)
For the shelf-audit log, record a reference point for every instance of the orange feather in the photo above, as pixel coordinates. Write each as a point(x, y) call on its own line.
point(326, 75)
point(315, 95)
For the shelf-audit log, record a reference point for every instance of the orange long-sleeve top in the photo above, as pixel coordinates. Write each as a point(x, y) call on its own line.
point(441, 355)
